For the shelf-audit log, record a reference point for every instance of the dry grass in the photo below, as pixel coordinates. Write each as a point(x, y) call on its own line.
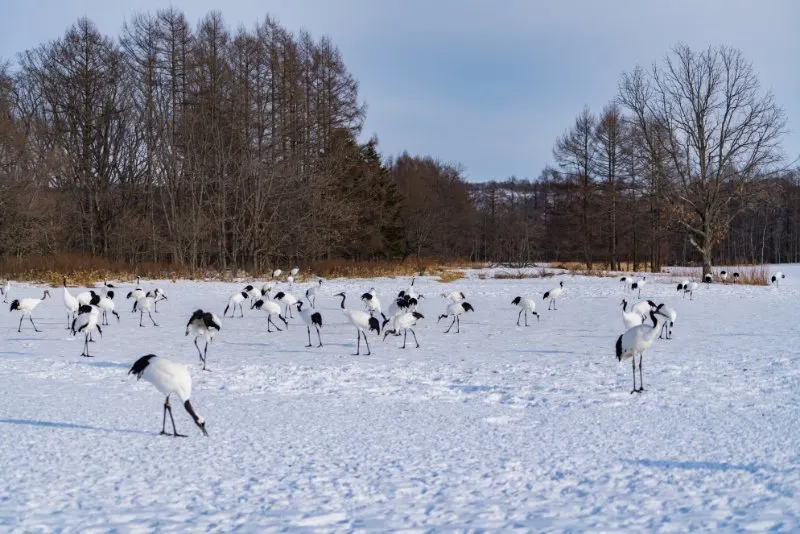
point(541, 272)
point(751, 275)
point(387, 268)
point(451, 276)
point(84, 271)
point(600, 267)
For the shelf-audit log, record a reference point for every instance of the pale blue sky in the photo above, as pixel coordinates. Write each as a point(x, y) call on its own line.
point(489, 84)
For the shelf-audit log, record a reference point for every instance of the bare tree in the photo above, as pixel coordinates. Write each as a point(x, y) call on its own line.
point(576, 153)
point(720, 132)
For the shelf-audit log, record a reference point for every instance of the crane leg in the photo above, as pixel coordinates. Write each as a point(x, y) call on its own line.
point(34, 324)
point(367, 342)
point(415, 337)
point(319, 337)
point(309, 335)
point(519, 315)
point(633, 362)
point(174, 430)
point(641, 382)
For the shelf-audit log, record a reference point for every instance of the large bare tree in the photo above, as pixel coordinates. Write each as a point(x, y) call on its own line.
point(720, 132)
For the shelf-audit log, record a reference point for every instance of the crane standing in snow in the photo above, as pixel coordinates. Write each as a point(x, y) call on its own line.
point(528, 306)
point(405, 322)
point(169, 377)
point(26, 307)
point(553, 294)
point(312, 318)
point(637, 340)
point(362, 321)
point(86, 321)
point(456, 309)
point(206, 325)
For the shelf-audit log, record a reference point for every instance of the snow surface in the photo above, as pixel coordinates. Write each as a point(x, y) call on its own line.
point(495, 428)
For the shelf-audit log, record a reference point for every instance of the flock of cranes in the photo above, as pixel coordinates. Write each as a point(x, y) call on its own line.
point(89, 311)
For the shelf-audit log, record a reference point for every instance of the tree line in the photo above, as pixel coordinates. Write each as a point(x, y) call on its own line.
point(206, 147)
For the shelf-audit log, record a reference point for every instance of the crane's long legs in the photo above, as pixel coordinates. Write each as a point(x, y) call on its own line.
point(451, 324)
point(458, 325)
point(319, 337)
point(308, 327)
point(415, 337)
point(641, 381)
point(85, 352)
point(199, 353)
point(205, 357)
point(634, 374)
point(19, 329)
point(168, 408)
point(69, 323)
point(519, 315)
point(358, 342)
point(269, 321)
point(34, 324)
point(405, 333)
point(367, 342)
point(526, 317)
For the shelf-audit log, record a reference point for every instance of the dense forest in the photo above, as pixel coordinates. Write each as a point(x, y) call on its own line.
point(207, 147)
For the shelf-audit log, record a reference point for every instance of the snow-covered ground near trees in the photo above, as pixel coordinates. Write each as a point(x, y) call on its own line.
point(494, 428)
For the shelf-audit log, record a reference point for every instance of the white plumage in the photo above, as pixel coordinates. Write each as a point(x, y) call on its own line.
point(553, 294)
point(363, 322)
point(205, 325)
point(85, 297)
point(169, 378)
point(777, 277)
point(313, 318)
point(253, 293)
point(311, 293)
point(71, 304)
point(372, 302)
point(644, 308)
point(6, 289)
point(288, 300)
point(456, 309)
point(528, 306)
point(637, 340)
point(630, 318)
point(135, 295)
point(411, 292)
point(405, 321)
point(454, 296)
point(86, 322)
point(294, 271)
point(157, 295)
point(26, 307)
point(271, 308)
point(106, 304)
point(236, 300)
point(671, 315)
point(276, 273)
point(638, 285)
point(688, 287)
point(145, 304)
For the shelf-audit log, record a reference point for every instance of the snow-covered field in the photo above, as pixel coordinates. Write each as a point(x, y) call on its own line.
point(494, 428)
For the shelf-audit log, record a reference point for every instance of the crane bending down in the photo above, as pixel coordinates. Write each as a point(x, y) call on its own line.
point(168, 377)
